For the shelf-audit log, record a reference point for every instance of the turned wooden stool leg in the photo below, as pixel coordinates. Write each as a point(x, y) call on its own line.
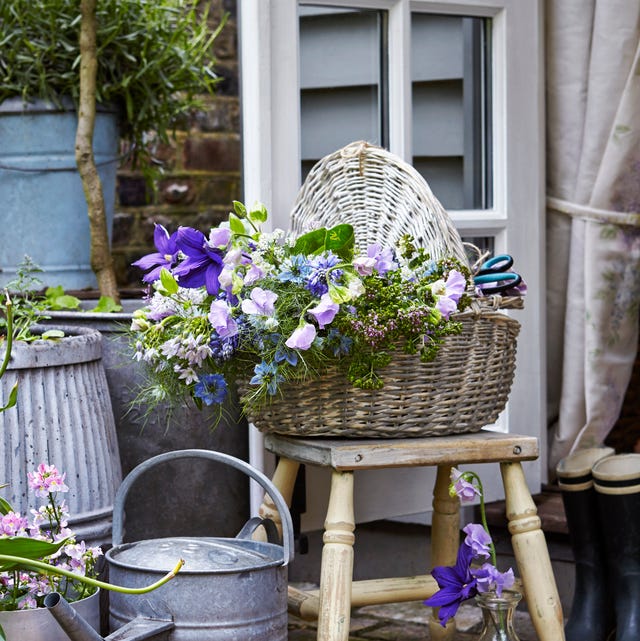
point(336, 573)
point(532, 555)
point(445, 536)
point(284, 478)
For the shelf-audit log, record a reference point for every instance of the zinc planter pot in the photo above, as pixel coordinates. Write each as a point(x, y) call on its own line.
point(41, 190)
point(195, 505)
point(63, 417)
point(38, 624)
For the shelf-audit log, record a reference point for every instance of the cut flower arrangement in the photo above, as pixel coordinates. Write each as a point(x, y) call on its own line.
point(269, 308)
point(473, 573)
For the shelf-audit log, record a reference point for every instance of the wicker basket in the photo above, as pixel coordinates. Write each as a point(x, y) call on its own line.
point(466, 386)
point(462, 390)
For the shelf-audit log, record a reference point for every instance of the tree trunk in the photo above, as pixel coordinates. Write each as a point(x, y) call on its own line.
point(101, 260)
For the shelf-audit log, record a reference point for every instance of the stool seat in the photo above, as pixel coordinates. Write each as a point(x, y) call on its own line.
point(338, 593)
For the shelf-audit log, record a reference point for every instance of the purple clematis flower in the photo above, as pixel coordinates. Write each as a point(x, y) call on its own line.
point(166, 256)
point(302, 337)
point(457, 584)
point(325, 311)
point(202, 264)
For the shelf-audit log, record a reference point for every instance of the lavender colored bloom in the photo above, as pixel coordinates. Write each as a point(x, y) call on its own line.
point(220, 237)
point(383, 258)
point(489, 578)
point(166, 256)
point(302, 337)
point(211, 388)
point(457, 584)
point(267, 374)
point(221, 319)
point(13, 524)
point(449, 293)
point(465, 491)
point(364, 265)
point(477, 539)
point(262, 302)
point(325, 311)
point(202, 264)
point(46, 479)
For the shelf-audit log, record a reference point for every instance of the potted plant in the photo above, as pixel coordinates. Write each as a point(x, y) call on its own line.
point(55, 382)
point(41, 555)
point(143, 63)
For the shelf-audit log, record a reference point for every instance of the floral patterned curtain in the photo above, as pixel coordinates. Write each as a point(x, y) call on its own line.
point(593, 215)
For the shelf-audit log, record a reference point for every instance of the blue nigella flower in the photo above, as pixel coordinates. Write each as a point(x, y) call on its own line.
point(338, 343)
point(294, 269)
point(285, 354)
point(211, 388)
point(267, 374)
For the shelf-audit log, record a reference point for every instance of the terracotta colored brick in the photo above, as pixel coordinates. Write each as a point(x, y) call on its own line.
point(212, 154)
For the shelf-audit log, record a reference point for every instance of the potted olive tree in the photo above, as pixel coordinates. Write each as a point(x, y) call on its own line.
point(144, 64)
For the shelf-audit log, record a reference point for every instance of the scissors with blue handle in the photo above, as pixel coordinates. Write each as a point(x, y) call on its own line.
point(493, 276)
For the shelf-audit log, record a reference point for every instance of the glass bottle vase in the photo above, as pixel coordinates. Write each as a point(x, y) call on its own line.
point(497, 615)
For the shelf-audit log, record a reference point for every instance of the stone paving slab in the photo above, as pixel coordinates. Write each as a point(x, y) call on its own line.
point(408, 622)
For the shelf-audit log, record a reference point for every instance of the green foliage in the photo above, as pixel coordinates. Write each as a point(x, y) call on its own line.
point(154, 58)
point(106, 305)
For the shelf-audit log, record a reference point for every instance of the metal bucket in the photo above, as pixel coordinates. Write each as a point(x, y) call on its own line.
point(229, 588)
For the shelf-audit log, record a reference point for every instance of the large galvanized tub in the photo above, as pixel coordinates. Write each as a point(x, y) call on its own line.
point(229, 588)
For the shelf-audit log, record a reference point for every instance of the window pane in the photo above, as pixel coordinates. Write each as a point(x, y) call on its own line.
point(450, 89)
point(341, 79)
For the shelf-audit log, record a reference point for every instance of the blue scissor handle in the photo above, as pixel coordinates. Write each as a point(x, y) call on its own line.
point(496, 264)
point(495, 282)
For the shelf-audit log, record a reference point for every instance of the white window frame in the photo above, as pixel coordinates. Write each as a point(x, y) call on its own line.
point(271, 147)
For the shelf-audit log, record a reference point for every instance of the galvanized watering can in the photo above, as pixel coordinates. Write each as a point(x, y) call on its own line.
point(228, 590)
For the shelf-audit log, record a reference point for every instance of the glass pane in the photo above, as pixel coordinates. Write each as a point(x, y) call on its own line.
point(478, 246)
point(341, 79)
point(450, 89)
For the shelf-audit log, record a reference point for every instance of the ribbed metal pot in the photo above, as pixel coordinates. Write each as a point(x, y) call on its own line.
point(229, 588)
point(63, 417)
point(38, 624)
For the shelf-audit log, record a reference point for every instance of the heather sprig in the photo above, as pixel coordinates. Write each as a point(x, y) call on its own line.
point(271, 308)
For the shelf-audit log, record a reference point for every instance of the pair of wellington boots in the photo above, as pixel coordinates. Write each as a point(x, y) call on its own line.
point(601, 496)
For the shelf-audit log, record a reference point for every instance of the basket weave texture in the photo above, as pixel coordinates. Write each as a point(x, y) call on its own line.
point(466, 386)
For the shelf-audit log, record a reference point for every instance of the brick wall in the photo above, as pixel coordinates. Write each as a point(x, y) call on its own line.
point(201, 166)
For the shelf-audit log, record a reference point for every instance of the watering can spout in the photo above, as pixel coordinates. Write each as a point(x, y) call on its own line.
point(77, 629)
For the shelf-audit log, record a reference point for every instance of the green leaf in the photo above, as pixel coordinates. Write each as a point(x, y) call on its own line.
point(13, 398)
point(52, 334)
point(27, 548)
point(312, 242)
point(236, 225)
point(258, 214)
point(341, 241)
point(57, 299)
point(106, 305)
point(5, 506)
point(169, 283)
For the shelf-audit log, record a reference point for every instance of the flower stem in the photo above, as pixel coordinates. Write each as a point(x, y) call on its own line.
point(50, 569)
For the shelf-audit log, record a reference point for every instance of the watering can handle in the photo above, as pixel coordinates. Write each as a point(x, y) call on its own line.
point(259, 477)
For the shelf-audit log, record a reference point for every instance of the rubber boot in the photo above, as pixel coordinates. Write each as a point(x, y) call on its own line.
point(591, 614)
point(617, 484)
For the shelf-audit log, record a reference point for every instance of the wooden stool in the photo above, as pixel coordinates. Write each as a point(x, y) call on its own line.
point(338, 593)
